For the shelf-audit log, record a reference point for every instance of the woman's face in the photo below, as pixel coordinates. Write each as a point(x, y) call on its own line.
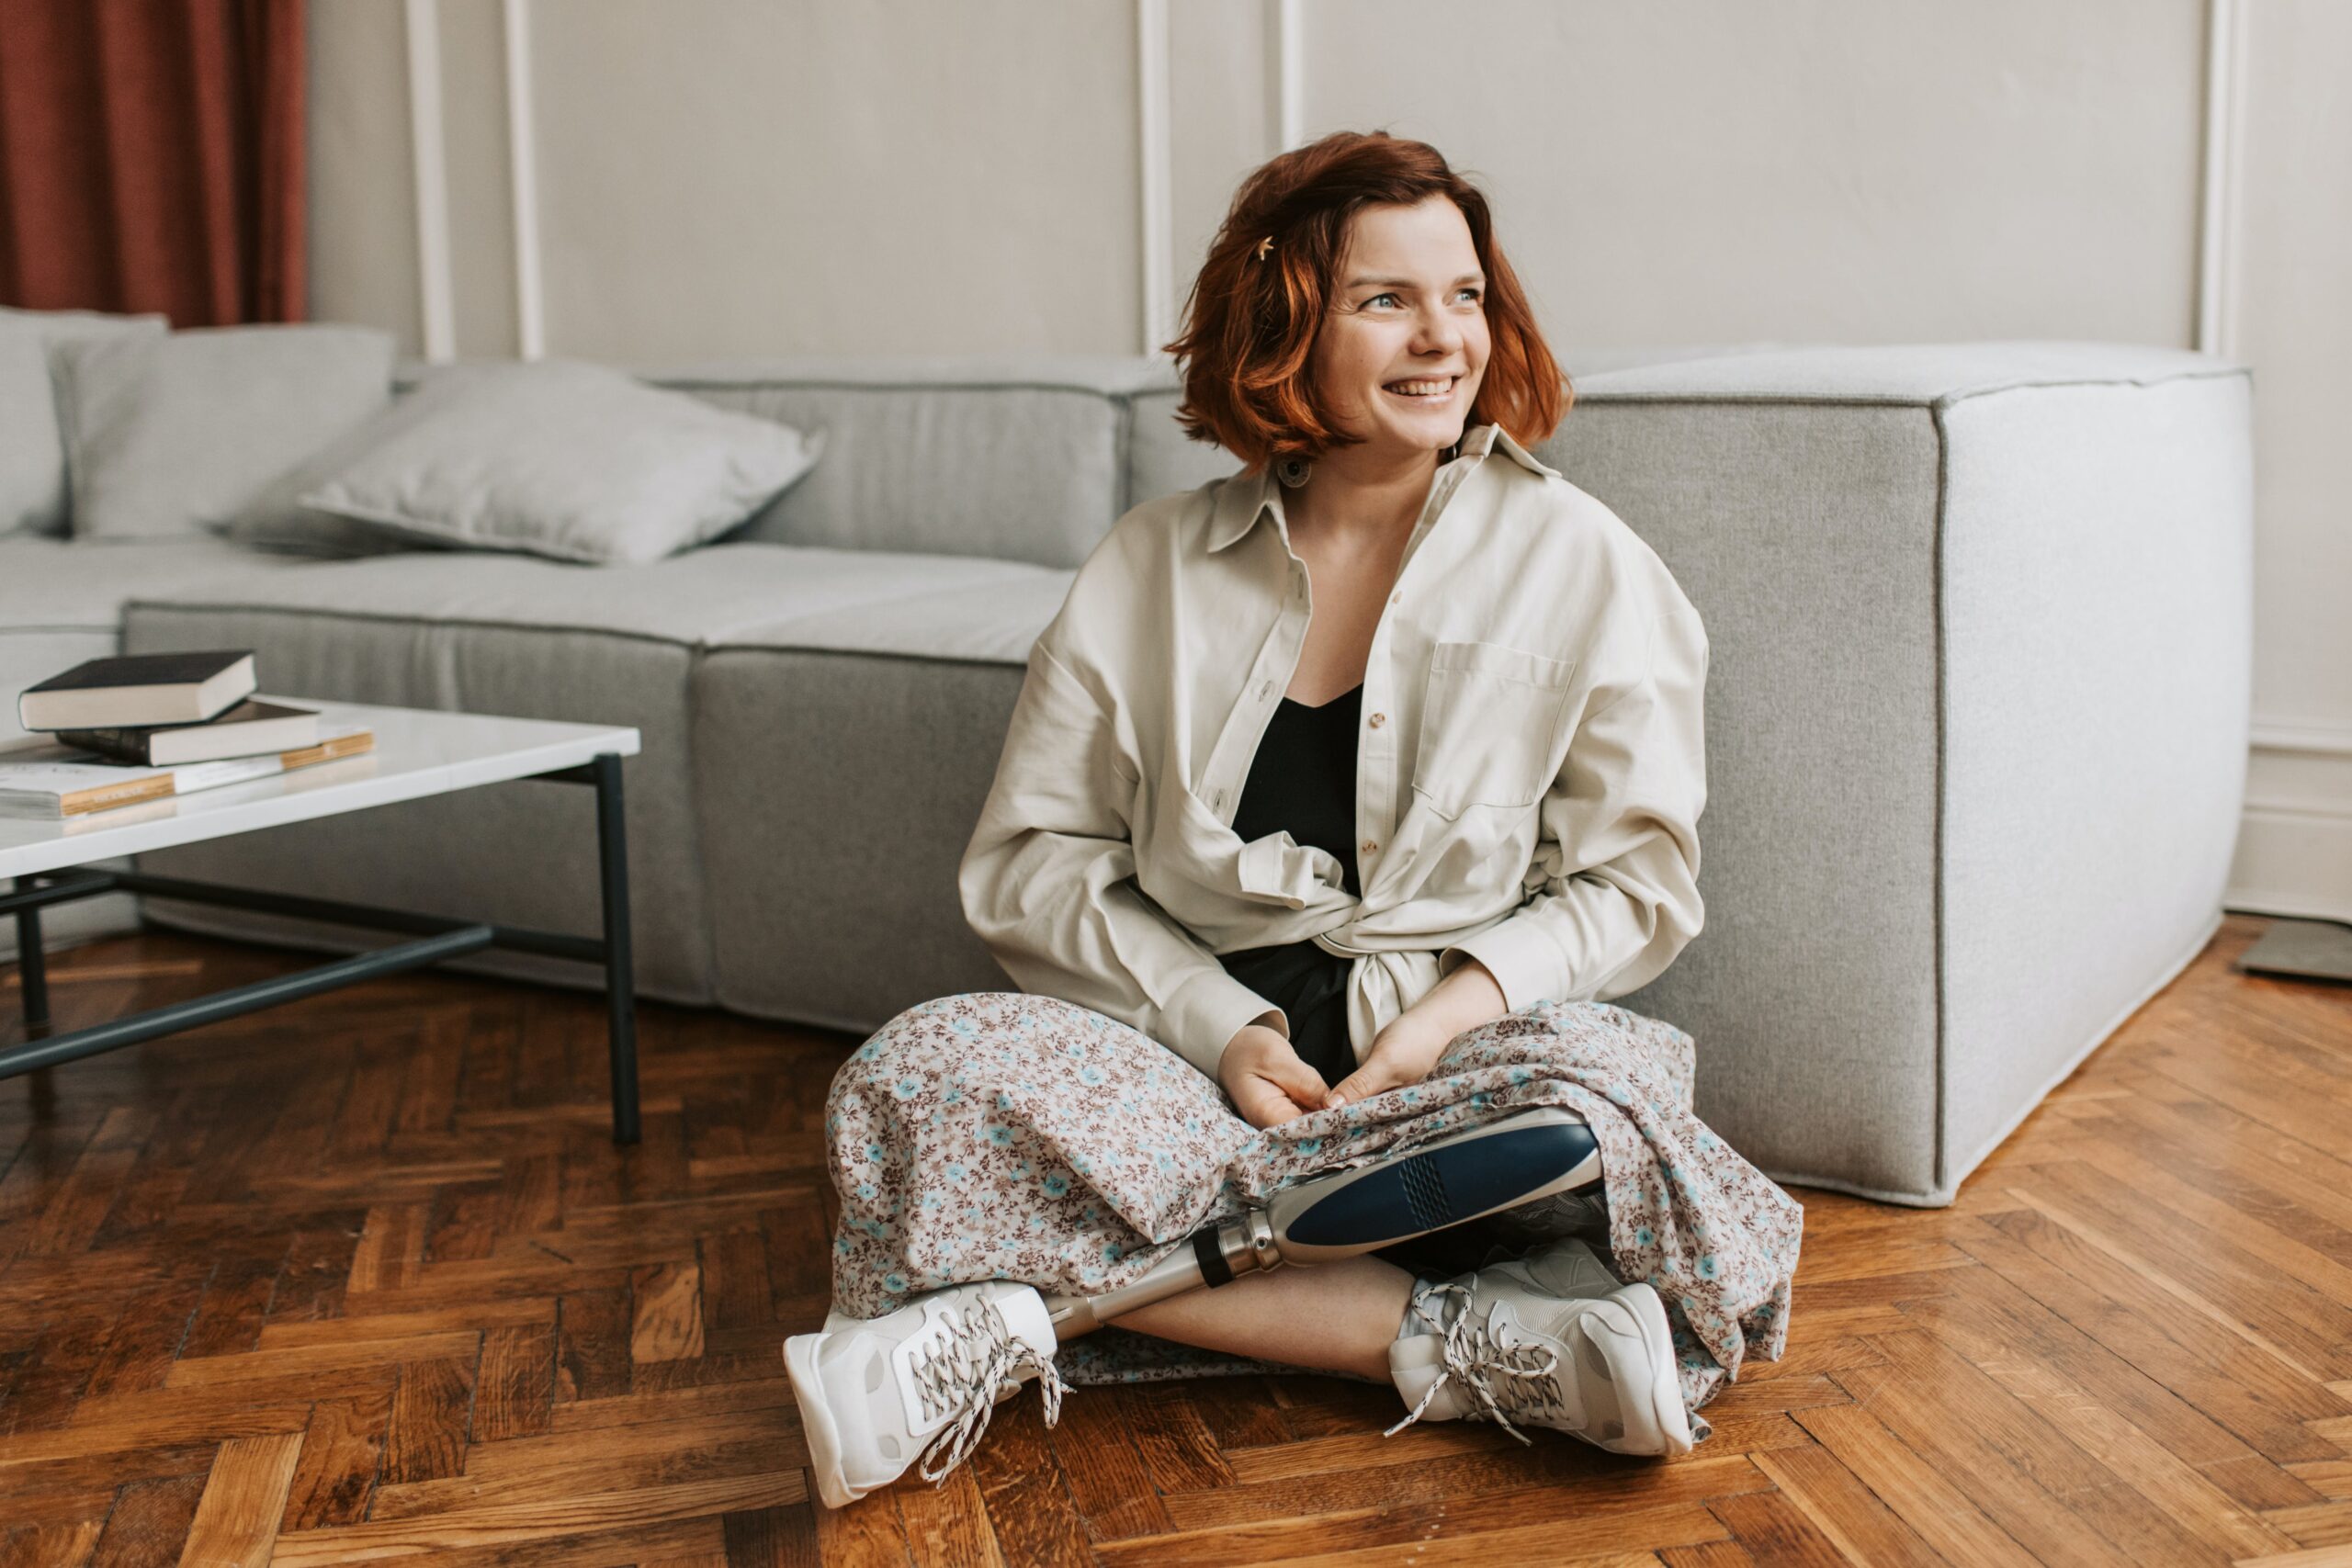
point(1403, 344)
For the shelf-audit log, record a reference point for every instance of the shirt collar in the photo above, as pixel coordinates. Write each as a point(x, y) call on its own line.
point(1249, 495)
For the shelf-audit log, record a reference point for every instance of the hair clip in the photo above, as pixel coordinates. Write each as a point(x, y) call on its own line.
point(1264, 245)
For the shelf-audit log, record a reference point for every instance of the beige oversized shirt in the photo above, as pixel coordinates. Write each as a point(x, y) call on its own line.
point(1530, 773)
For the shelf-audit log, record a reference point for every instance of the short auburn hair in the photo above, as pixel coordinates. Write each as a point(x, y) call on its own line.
point(1251, 318)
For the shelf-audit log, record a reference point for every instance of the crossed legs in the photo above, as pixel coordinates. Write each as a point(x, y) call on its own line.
point(998, 1137)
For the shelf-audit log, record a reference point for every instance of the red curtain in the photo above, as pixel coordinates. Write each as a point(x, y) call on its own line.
point(150, 157)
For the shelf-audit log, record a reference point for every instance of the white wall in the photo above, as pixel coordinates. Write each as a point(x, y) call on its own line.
point(737, 178)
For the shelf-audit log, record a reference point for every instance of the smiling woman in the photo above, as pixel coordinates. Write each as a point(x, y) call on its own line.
point(1327, 778)
point(1413, 236)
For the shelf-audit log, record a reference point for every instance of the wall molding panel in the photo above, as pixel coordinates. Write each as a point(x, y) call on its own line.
point(2222, 176)
point(1155, 183)
point(523, 184)
point(437, 293)
point(1285, 73)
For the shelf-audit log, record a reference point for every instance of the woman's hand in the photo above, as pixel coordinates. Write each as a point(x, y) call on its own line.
point(1406, 1050)
point(1264, 1077)
point(1405, 1053)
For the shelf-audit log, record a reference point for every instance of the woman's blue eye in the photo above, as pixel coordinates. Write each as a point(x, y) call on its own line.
point(1378, 298)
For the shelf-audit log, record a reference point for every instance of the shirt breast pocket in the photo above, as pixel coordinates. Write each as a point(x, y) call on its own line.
point(1489, 715)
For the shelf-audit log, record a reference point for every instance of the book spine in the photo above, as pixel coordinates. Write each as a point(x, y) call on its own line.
point(123, 745)
point(155, 787)
point(328, 749)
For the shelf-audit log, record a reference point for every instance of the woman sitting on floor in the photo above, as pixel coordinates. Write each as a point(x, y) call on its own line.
point(1350, 785)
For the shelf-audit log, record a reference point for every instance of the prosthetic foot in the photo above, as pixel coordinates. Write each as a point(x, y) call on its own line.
point(1524, 1158)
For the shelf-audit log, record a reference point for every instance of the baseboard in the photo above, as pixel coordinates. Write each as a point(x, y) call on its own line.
point(2294, 849)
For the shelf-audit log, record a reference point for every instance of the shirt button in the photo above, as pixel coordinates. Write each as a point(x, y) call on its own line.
point(1396, 598)
point(1378, 719)
point(1368, 847)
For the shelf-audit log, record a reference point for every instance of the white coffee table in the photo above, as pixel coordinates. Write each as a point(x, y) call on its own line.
point(417, 753)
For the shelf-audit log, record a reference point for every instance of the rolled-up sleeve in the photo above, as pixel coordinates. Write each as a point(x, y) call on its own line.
point(1047, 881)
point(1619, 850)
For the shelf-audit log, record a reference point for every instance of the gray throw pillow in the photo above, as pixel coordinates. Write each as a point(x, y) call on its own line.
point(571, 462)
point(167, 435)
point(278, 520)
point(32, 452)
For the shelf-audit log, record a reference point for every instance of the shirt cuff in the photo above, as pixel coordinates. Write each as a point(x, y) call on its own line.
point(1208, 1010)
point(1522, 957)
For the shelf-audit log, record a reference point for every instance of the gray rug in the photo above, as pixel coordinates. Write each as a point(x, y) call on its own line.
point(2302, 950)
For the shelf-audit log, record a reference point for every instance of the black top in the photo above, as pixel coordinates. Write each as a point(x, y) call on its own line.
point(1304, 779)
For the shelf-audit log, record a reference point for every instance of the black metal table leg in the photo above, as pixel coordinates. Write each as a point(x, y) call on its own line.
point(157, 1022)
point(620, 982)
point(32, 967)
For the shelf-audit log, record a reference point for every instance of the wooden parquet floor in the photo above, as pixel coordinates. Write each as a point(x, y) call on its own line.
point(362, 1278)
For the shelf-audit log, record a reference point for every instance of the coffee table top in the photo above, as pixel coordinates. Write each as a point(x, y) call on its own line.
point(417, 753)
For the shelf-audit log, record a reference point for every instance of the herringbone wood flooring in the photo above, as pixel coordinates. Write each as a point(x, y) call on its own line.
point(362, 1278)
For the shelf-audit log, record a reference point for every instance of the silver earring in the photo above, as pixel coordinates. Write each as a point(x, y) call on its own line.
point(1293, 471)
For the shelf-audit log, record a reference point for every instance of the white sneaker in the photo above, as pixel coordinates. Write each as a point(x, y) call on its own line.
point(1552, 1340)
point(873, 1392)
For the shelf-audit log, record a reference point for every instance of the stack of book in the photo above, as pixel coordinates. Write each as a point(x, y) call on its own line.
point(151, 726)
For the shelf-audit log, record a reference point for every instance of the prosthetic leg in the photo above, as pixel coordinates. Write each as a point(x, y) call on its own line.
point(1523, 1158)
point(876, 1393)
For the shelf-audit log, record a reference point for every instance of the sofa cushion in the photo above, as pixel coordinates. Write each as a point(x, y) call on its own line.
point(992, 623)
point(700, 596)
point(32, 451)
point(847, 926)
point(513, 635)
point(167, 434)
point(60, 582)
point(1021, 460)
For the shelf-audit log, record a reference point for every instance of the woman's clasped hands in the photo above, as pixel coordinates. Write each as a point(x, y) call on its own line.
point(1269, 1084)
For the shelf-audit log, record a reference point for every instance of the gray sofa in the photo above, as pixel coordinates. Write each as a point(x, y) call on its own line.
point(1977, 719)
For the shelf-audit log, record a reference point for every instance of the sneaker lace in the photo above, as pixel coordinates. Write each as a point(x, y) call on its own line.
point(1505, 1380)
point(958, 1376)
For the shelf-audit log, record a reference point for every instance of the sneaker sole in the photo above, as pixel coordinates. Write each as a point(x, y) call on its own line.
point(1668, 1415)
point(817, 1422)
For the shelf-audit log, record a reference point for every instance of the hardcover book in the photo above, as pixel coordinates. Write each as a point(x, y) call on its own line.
point(140, 689)
point(250, 729)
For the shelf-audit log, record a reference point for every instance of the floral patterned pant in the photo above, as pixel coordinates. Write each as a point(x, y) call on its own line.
point(1000, 1136)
